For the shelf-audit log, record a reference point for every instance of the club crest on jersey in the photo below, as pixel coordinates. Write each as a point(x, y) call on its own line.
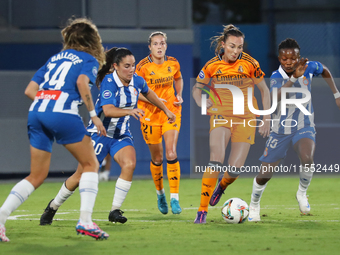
point(305, 81)
point(265, 153)
point(169, 69)
point(272, 82)
point(135, 92)
point(107, 94)
point(201, 75)
point(94, 71)
point(240, 69)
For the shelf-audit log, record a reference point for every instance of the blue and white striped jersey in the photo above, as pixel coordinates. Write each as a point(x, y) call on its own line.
point(294, 118)
point(57, 79)
point(112, 91)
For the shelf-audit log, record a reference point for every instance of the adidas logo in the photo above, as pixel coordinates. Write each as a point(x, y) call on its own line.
point(249, 138)
point(152, 73)
point(219, 71)
point(206, 194)
point(174, 178)
point(175, 125)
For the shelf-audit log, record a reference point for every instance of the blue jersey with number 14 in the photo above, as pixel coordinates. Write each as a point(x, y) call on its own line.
point(57, 81)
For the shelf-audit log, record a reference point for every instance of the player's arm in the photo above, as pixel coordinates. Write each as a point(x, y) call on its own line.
point(179, 91)
point(154, 99)
point(264, 130)
point(197, 94)
point(31, 90)
point(112, 111)
point(328, 77)
point(144, 99)
point(85, 93)
point(301, 67)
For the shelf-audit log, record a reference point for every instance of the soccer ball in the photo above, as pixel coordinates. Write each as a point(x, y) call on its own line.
point(235, 210)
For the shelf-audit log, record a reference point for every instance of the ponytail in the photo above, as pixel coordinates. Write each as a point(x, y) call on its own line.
point(227, 31)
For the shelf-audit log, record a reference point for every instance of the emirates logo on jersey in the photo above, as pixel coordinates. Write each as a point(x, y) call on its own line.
point(240, 69)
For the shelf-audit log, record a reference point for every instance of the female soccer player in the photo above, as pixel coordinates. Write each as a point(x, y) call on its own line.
point(57, 88)
point(162, 73)
point(119, 91)
point(294, 72)
point(234, 67)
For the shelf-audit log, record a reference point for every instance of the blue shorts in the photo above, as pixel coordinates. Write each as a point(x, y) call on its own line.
point(277, 145)
point(44, 127)
point(105, 145)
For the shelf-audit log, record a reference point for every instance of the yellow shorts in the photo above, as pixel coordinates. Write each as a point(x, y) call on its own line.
point(241, 129)
point(153, 134)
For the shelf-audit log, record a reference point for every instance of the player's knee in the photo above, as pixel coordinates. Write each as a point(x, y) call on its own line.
point(262, 180)
point(157, 160)
point(128, 165)
point(306, 159)
point(171, 155)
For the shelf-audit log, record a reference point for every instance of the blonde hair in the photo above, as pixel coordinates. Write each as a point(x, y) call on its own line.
point(82, 35)
point(227, 31)
point(157, 33)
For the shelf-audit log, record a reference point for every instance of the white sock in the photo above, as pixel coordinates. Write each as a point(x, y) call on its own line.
point(88, 188)
point(61, 197)
point(121, 190)
point(257, 192)
point(174, 195)
point(16, 197)
point(160, 192)
point(305, 178)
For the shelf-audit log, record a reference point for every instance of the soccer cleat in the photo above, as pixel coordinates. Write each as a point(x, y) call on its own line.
point(3, 237)
point(117, 216)
point(91, 230)
point(303, 203)
point(175, 207)
point(201, 217)
point(216, 196)
point(254, 212)
point(47, 216)
point(162, 204)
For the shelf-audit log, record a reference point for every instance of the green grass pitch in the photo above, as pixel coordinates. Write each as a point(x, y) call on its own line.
point(283, 229)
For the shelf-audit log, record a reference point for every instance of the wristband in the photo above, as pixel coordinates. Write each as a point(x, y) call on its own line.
point(337, 95)
point(92, 113)
point(293, 79)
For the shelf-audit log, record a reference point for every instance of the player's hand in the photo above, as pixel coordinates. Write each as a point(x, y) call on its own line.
point(99, 124)
point(209, 103)
point(337, 101)
point(264, 130)
point(179, 100)
point(171, 116)
point(137, 113)
point(300, 67)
